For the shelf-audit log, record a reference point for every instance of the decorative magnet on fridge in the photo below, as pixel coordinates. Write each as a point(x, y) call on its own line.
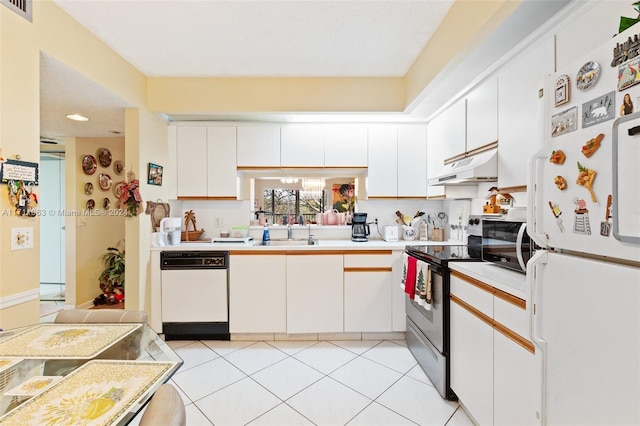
point(581, 223)
point(628, 74)
point(562, 90)
point(598, 110)
point(585, 178)
point(588, 75)
point(564, 122)
point(555, 209)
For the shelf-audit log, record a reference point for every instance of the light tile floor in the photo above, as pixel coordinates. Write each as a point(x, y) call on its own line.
point(307, 382)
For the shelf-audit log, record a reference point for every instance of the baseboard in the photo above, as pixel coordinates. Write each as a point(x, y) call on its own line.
point(19, 298)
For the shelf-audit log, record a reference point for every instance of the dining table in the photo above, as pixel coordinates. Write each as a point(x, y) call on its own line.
point(86, 373)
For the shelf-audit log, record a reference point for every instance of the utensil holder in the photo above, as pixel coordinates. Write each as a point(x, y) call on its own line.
point(437, 234)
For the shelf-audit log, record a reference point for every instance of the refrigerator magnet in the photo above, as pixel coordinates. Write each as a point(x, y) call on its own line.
point(561, 182)
point(562, 90)
point(592, 145)
point(564, 122)
point(557, 157)
point(585, 179)
point(581, 223)
point(555, 209)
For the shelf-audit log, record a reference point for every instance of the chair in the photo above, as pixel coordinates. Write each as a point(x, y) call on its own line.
point(166, 408)
point(100, 316)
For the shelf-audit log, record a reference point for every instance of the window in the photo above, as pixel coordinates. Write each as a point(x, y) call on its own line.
point(293, 203)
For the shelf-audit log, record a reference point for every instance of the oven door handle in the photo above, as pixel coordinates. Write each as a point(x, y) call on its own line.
point(521, 232)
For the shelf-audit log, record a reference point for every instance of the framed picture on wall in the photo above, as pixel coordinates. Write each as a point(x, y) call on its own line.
point(154, 177)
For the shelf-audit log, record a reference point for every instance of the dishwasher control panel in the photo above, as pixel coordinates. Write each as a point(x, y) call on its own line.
point(194, 260)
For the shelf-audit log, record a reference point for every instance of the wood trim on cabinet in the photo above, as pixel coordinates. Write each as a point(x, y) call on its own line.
point(475, 151)
point(510, 189)
point(258, 168)
point(510, 298)
point(221, 198)
point(482, 286)
point(436, 197)
point(483, 317)
point(397, 197)
point(514, 300)
point(512, 335)
point(368, 269)
point(387, 252)
point(507, 332)
point(314, 253)
point(256, 252)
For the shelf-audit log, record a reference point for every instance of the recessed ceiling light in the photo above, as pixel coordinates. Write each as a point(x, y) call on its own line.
point(77, 117)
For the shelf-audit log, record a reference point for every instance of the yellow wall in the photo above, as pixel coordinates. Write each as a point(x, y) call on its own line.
point(56, 33)
point(147, 139)
point(94, 233)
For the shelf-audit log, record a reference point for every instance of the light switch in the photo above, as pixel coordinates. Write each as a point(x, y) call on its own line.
point(22, 238)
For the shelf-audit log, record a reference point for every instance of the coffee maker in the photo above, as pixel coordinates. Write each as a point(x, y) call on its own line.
point(360, 228)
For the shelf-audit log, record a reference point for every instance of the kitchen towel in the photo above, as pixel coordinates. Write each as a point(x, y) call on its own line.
point(428, 290)
point(410, 281)
point(422, 270)
point(405, 265)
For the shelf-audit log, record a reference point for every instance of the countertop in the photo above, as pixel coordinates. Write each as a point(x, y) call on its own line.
point(512, 282)
point(321, 245)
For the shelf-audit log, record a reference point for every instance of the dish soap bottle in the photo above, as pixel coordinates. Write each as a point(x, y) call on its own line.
point(265, 233)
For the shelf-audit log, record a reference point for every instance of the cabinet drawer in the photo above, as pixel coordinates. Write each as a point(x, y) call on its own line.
point(369, 259)
point(513, 317)
point(479, 297)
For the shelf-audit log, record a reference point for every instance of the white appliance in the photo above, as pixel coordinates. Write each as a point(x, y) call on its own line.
point(585, 282)
point(170, 228)
point(478, 168)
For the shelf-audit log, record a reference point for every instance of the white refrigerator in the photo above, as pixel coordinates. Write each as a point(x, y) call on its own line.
point(584, 211)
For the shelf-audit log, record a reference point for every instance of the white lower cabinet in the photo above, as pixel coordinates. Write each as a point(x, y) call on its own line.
point(493, 368)
point(314, 292)
point(514, 377)
point(472, 363)
point(257, 292)
point(367, 292)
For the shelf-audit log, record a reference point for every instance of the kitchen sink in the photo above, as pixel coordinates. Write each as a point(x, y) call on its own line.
point(272, 243)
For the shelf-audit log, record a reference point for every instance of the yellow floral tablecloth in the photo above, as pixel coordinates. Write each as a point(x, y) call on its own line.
point(69, 341)
point(99, 393)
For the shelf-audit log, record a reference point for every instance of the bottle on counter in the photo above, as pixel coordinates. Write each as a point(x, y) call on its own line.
point(265, 233)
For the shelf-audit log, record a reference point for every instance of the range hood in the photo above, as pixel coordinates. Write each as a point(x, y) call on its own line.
point(478, 168)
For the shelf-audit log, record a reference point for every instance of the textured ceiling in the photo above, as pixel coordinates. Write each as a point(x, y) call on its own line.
point(300, 38)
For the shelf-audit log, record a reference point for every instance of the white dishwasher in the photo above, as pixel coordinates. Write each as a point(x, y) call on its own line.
point(195, 295)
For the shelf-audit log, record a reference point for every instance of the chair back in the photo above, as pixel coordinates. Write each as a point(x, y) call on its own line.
point(100, 316)
point(166, 408)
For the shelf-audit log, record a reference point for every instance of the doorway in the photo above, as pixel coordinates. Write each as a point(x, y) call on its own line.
point(52, 232)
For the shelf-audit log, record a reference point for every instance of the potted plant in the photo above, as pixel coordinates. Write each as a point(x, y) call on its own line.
point(112, 277)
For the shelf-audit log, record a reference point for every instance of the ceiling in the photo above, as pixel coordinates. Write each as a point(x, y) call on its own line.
point(254, 38)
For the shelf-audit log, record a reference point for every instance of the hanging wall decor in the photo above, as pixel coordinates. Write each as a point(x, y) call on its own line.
point(562, 90)
point(128, 193)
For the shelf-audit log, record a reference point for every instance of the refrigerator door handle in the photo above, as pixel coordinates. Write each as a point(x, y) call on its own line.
point(519, 239)
point(538, 260)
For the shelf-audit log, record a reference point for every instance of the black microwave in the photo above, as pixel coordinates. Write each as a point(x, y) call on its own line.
point(506, 243)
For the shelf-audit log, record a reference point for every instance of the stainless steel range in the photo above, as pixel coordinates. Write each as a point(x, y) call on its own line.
point(428, 329)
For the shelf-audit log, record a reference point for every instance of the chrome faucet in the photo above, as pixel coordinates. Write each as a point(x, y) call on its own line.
point(310, 239)
point(289, 232)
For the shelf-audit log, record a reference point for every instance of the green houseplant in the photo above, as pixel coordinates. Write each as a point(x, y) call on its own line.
point(112, 277)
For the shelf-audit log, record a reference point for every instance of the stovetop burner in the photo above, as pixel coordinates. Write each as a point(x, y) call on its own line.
point(441, 255)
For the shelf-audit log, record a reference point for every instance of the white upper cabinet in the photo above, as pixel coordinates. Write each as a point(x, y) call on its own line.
point(435, 154)
point(302, 146)
point(258, 146)
point(482, 114)
point(206, 162)
point(412, 161)
point(222, 176)
point(382, 178)
point(345, 146)
point(519, 127)
point(192, 165)
point(453, 133)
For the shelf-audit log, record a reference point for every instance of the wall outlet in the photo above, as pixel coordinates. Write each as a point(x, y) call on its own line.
point(22, 238)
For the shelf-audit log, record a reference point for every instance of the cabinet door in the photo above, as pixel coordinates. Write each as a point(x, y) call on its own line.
point(514, 388)
point(258, 293)
point(221, 158)
point(482, 114)
point(345, 146)
point(454, 134)
point(302, 146)
point(412, 161)
point(258, 146)
point(367, 301)
point(519, 128)
point(192, 161)
point(314, 293)
point(435, 154)
point(382, 174)
point(472, 363)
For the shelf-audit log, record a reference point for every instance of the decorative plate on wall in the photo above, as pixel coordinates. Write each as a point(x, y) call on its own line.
point(89, 164)
point(106, 203)
point(588, 75)
point(88, 188)
point(90, 204)
point(104, 157)
point(118, 167)
point(104, 180)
